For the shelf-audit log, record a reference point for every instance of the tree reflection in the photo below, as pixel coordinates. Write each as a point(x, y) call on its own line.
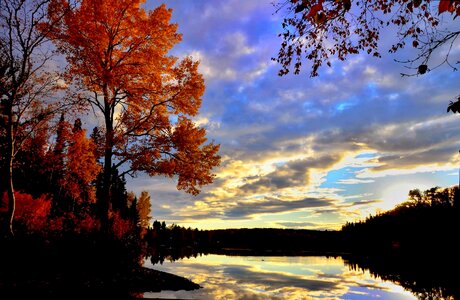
point(158, 255)
point(426, 279)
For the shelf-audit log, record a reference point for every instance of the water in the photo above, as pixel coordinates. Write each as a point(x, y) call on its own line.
point(282, 277)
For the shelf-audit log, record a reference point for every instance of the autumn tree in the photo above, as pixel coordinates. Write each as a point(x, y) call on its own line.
point(143, 210)
point(81, 167)
point(118, 54)
point(319, 30)
point(25, 82)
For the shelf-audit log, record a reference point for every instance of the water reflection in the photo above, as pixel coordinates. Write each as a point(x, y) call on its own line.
point(426, 277)
point(271, 277)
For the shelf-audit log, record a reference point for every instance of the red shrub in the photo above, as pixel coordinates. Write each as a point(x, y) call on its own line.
point(121, 228)
point(32, 213)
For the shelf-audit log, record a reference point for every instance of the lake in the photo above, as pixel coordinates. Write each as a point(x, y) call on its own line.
point(276, 277)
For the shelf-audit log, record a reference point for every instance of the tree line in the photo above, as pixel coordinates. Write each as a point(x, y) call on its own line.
point(425, 225)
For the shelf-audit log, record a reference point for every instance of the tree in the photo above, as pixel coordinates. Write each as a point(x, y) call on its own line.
point(118, 194)
point(143, 210)
point(318, 30)
point(81, 167)
point(132, 202)
point(118, 54)
point(26, 83)
point(30, 166)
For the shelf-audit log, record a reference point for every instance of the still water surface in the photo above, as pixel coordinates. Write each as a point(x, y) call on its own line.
point(283, 277)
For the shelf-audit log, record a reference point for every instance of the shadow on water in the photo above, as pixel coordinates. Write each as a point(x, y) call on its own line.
point(434, 278)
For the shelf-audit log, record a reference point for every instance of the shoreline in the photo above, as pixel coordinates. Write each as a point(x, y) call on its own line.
point(79, 268)
point(127, 286)
point(150, 280)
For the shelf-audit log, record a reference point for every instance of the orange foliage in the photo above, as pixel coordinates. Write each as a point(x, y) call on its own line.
point(121, 228)
point(87, 223)
point(74, 160)
point(81, 168)
point(450, 6)
point(79, 224)
point(115, 43)
point(32, 213)
point(143, 210)
point(119, 52)
point(315, 9)
point(193, 160)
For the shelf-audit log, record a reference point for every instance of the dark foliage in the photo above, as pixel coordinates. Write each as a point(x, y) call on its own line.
point(425, 225)
point(168, 239)
point(429, 277)
point(77, 267)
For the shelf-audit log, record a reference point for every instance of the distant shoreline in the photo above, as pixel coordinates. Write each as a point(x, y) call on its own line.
point(275, 252)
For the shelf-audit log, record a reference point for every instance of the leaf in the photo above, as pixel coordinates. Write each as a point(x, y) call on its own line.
point(320, 18)
point(445, 5)
point(422, 69)
point(315, 9)
point(454, 107)
point(300, 8)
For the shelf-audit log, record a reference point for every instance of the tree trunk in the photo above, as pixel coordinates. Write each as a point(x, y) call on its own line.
point(107, 176)
point(9, 179)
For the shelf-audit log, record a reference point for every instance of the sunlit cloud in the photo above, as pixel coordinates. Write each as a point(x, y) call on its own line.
point(354, 181)
point(345, 140)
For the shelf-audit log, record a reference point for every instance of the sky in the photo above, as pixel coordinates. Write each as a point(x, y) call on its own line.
point(301, 152)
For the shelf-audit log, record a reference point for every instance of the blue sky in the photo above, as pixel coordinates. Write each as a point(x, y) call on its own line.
point(301, 152)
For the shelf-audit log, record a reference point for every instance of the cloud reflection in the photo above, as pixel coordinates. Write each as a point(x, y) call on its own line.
point(236, 277)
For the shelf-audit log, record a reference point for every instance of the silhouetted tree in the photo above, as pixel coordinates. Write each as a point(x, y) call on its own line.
point(133, 214)
point(426, 224)
point(318, 30)
point(119, 194)
point(97, 136)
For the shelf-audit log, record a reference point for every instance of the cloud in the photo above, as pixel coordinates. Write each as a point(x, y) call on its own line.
point(285, 139)
point(273, 205)
point(308, 225)
point(365, 202)
point(400, 145)
point(354, 181)
point(291, 174)
point(277, 280)
point(297, 224)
